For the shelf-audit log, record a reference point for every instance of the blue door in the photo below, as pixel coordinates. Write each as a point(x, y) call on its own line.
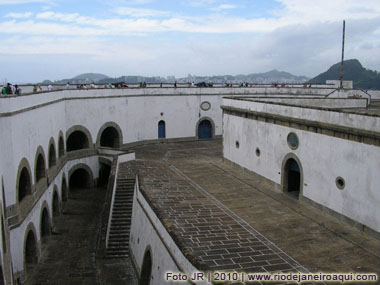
point(161, 130)
point(205, 130)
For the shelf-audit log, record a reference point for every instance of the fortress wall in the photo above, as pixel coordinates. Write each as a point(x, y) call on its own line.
point(317, 102)
point(18, 234)
point(148, 233)
point(323, 158)
point(336, 117)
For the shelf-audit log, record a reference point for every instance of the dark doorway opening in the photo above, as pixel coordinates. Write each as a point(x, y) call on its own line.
point(104, 174)
point(205, 130)
point(110, 138)
point(61, 147)
point(30, 251)
point(79, 179)
point(52, 156)
point(40, 167)
point(45, 224)
point(24, 185)
point(56, 210)
point(146, 269)
point(64, 190)
point(77, 140)
point(161, 130)
point(292, 177)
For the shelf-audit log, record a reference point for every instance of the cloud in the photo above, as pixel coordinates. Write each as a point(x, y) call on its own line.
point(223, 7)
point(140, 13)
point(17, 2)
point(19, 15)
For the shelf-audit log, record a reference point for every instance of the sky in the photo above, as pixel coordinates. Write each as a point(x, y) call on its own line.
point(57, 39)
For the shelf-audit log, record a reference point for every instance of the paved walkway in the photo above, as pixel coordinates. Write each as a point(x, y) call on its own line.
point(244, 201)
point(314, 239)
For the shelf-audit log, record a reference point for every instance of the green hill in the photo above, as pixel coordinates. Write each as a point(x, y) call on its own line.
point(353, 70)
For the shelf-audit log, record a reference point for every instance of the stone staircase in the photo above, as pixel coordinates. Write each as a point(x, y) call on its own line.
point(118, 240)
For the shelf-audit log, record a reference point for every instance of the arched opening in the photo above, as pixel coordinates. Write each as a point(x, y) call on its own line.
point(1, 276)
point(77, 140)
point(205, 130)
point(292, 177)
point(161, 130)
point(45, 228)
point(40, 167)
point(3, 238)
point(24, 184)
point(52, 156)
point(80, 178)
point(64, 190)
point(56, 210)
point(30, 251)
point(104, 173)
point(146, 269)
point(61, 147)
point(110, 138)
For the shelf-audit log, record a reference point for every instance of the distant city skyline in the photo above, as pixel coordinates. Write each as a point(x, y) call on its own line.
point(57, 39)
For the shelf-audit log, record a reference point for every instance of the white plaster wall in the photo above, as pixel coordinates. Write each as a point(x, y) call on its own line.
point(323, 159)
point(350, 120)
point(17, 235)
point(143, 235)
point(318, 102)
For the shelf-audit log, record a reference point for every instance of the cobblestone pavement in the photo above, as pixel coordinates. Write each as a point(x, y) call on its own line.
point(313, 238)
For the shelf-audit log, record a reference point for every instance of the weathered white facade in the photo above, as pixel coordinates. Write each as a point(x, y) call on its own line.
point(36, 165)
point(333, 145)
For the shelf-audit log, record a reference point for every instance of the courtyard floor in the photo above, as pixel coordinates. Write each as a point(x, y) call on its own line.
point(308, 237)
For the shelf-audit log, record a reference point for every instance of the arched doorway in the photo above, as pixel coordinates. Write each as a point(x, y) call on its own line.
point(64, 190)
point(104, 173)
point(80, 178)
point(40, 168)
point(146, 269)
point(52, 156)
point(205, 129)
point(161, 130)
point(30, 251)
point(24, 184)
point(110, 138)
point(292, 176)
point(77, 140)
point(45, 229)
point(56, 210)
point(61, 147)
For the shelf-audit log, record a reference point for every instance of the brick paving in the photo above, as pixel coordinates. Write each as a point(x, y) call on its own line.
point(221, 217)
point(226, 218)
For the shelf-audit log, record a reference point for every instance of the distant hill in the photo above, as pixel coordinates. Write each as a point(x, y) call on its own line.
point(90, 76)
point(273, 76)
point(353, 70)
point(83, 78)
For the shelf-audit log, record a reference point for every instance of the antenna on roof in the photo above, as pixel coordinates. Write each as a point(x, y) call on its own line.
point(342, 64)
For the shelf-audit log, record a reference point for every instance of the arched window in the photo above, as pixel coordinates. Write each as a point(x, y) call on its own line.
point(161, 130)
point(77, 140)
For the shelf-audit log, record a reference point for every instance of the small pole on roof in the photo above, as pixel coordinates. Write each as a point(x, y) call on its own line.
point(342, 63)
